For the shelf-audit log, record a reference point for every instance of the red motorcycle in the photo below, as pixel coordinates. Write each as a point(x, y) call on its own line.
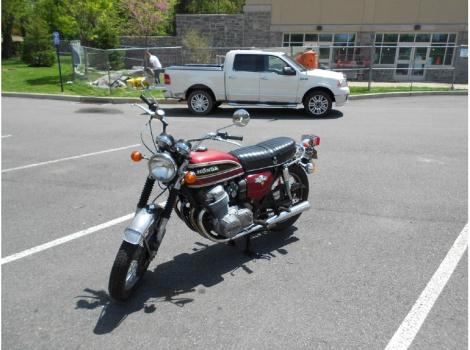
point(222, 196)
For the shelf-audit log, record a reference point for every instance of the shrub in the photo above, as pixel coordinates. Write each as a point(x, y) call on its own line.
point(38, 50)
point(42, 59)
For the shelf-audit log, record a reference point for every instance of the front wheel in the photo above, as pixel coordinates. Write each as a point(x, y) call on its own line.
point(200, 102)
point(128, 269)
point(318, 103)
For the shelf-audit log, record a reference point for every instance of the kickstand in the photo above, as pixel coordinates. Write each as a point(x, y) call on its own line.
point(247, 250)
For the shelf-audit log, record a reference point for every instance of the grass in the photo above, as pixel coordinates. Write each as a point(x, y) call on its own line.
point(19, 77)
point(358, 90)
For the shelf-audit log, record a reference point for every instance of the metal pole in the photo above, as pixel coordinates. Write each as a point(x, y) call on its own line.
point(109, 74)
point(412, 69)
point(85, 56)
point(60, 69)
point(454, 73)
point(371, 64)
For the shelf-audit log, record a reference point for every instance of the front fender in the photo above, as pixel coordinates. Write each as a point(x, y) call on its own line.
point(142, 221)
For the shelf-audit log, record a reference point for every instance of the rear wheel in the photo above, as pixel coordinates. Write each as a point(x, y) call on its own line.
point(299, 189)
point(200, 102)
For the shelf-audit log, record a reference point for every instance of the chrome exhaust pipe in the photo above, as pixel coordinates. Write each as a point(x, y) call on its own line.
point(283, 216)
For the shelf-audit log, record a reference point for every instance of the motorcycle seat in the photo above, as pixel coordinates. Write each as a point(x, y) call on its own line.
point(266, 154)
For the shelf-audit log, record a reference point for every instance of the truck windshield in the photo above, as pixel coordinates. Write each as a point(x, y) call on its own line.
point(293, 63)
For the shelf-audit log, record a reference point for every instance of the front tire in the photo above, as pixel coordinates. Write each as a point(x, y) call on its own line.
point(299, 190)
point(318, 103)
point(200, 102)
point(128, 269)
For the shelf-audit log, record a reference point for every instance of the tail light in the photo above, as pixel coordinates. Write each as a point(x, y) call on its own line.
point(167, 79)
point(310, 140)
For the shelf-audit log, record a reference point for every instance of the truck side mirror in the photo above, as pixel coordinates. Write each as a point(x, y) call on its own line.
point(288, 71)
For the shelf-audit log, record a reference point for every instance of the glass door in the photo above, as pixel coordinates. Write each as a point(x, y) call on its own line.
point(419, 63)
point(411, 62)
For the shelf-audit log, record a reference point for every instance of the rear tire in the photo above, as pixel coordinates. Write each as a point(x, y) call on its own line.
point(200, 102)
point(128, 269)
point(299, 193)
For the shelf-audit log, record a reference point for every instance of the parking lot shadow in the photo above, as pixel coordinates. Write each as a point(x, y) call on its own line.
point(257, 113)
point(206, 267)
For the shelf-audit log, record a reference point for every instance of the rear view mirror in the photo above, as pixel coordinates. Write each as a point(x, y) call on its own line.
point(241, 117)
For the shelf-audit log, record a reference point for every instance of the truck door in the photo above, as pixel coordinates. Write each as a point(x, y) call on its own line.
point(276, 83)
point(242, 81)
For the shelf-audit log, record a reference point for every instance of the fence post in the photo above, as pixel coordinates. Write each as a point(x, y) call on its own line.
point(412, 69)
point(371, 65)
point(454, 73)
point(85, 57)
point(109, 73)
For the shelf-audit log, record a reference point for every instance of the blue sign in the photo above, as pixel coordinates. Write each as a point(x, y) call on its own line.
point(56, 37)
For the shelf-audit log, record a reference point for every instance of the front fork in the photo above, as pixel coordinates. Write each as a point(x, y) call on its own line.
point(148, 215)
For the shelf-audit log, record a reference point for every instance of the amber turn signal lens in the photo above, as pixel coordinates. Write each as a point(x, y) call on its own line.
point(190, 177)
point(136, 156)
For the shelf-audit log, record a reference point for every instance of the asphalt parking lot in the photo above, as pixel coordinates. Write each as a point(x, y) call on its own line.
point(388, 201)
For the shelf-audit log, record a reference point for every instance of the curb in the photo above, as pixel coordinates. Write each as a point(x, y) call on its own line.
point(118, 100)
point(82, 99)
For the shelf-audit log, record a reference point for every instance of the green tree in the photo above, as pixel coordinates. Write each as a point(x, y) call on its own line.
point(38, 50)
point(13, 14)
point(210, 6)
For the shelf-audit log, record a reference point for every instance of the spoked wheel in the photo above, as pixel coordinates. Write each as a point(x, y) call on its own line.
point(318, 103)
point(128, 269)
point(299, 189)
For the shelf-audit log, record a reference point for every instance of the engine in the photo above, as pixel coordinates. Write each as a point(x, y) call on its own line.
point(226, 220)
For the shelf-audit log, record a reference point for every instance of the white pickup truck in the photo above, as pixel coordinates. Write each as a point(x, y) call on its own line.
point(254, 77)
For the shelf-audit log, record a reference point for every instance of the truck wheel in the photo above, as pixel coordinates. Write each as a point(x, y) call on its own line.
point(200, 102)
point(318, 103)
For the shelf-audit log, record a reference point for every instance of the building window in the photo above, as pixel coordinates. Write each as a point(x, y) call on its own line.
point(440, 47)
point(326, 43)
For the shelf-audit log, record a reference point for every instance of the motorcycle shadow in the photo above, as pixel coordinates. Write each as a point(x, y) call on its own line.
point(207, 266)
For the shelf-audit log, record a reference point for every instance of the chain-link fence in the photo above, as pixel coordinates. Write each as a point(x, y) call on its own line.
point(367, 66)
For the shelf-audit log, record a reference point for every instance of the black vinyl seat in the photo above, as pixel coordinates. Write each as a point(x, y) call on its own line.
point(266, 154)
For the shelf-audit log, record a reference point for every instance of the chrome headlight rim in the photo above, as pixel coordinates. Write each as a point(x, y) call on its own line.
point(162, 167)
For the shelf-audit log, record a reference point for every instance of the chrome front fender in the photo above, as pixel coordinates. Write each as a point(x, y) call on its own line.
point(142, 221)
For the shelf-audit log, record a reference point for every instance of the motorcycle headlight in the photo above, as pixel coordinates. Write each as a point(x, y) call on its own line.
point(162, 167)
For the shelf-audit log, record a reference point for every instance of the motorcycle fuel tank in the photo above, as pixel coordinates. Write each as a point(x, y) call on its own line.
point(212, 166)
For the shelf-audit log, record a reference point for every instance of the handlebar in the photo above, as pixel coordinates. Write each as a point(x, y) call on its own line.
point(152, 105)
point(226, 136)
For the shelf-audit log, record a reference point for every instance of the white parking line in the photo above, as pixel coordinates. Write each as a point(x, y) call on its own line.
point(65, 239)
point(5, 136)
point(69, 158)
point(410, 326)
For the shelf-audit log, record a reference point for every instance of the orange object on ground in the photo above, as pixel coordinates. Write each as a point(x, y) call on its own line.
point(308, 59)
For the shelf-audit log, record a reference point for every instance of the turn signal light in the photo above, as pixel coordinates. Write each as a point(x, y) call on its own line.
point(136, 156)
point(190, 177)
